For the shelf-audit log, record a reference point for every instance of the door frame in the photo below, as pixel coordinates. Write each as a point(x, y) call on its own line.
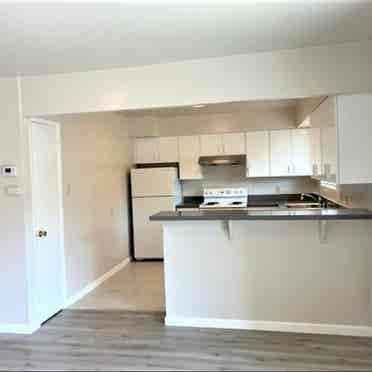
point(34, 317)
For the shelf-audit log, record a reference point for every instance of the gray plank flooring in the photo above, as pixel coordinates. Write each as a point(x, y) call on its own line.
point(122, 340)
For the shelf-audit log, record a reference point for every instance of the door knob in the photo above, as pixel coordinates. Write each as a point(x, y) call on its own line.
point(42, 233)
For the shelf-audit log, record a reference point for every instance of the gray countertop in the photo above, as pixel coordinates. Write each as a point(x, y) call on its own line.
point(275, 214)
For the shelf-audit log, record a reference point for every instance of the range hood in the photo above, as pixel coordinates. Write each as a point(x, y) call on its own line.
point(222, 160)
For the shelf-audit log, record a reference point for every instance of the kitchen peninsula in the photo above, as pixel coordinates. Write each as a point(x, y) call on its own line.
point(299, 270)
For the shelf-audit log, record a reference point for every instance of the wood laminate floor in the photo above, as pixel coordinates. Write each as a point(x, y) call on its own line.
point(121, 340)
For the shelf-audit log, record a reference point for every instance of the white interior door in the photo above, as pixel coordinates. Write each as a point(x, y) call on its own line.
point(48, 254)
point(148, 235)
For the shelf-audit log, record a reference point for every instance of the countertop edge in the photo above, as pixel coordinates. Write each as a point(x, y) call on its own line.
point(176, 216)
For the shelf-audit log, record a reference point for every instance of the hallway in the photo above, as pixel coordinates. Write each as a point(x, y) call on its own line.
point(138, 287)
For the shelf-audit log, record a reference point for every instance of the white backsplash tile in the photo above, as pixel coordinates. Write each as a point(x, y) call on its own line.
point(230, 176)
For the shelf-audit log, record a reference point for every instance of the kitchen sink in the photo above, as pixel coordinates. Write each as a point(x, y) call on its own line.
point(304, 205)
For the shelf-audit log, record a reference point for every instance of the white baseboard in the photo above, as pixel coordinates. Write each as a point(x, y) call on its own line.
point(91, 286)
point(25, 329)
point(313, 328)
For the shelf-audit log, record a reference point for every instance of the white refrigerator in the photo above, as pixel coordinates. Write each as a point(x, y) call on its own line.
point(153, 190)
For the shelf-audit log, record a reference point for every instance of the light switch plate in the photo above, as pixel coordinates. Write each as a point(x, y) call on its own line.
point(8, 171)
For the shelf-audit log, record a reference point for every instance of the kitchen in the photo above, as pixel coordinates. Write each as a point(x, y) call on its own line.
point(186, 186)
point(260, 176)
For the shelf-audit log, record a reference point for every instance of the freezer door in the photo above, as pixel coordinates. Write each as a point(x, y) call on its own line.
point(154, 182)
point(148, 235)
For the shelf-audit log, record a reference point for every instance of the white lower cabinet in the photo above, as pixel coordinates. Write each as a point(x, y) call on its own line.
point(258, 154)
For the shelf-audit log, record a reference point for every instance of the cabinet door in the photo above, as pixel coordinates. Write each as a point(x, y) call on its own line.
point(258, 154)
point(146, 150)
point(167, 149)
point(211, 144)
point(189, 147)
point(300, 152)
point(280, 153)
point(355, 138)
point(324, 118)
point(189, 152)
point(233, 143)
point(329, 153)
point(316, 152)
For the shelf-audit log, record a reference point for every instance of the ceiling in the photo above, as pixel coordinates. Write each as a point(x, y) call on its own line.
point(40, 38)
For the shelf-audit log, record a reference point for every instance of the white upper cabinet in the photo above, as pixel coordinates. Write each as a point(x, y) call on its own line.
point(290, 153)
point(324, 141)
point(280, 154)
point(156, 150)
point(145, 150)
point(189, 147)
point(233, 143)
point(168, 149)
point(211, 144)
point(354, 132)
point(300, 152)
point(258, 154)
point(189, 152)
point(344, 124)
point(222, 144)
point(316, 152)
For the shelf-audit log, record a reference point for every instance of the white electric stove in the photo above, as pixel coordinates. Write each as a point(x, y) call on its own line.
point(225, 198)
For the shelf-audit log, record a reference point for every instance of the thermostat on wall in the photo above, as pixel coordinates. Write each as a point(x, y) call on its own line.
point(8, 171)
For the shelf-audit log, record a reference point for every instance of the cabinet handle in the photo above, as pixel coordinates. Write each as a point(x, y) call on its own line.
point(289, 169)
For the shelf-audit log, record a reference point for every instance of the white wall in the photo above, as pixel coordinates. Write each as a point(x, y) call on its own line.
point(13, 283)
point(208, 120)
point(304, 72)
point(306, 106)
point(95, 152)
